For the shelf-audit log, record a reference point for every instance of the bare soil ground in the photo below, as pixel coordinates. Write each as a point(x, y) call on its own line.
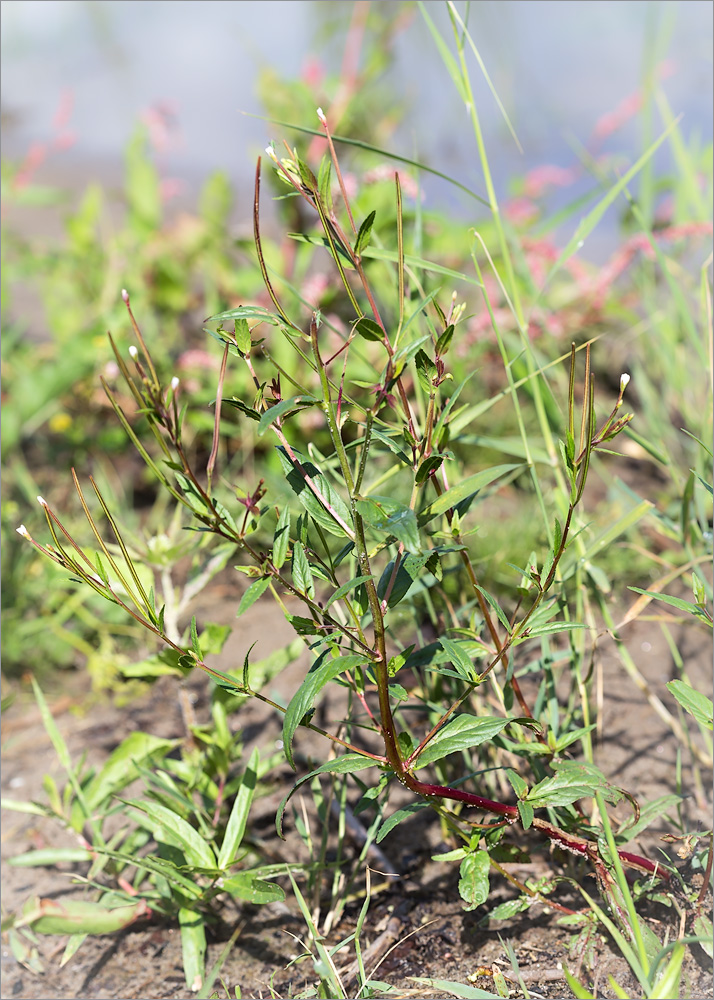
point(416, 923)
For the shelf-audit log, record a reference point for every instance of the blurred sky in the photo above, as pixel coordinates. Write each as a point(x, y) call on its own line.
point(558, 66)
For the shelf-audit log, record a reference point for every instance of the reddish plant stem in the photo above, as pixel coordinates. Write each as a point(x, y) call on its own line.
point(576, 845)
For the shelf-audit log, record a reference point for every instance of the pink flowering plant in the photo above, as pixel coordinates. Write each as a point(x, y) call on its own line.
point(354, 556)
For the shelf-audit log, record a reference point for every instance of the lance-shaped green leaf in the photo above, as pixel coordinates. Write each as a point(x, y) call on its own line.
point(349, 763)
point(252, 594)
point(461, 733)
point(118, 771)
point(323, 670)
point(281, 408)
point(368, 329)
point(192, 926)
point(393, 518)
point(464, 489)
point(426, 371)
point(251, 887)
point(365, 234)
point(245, 312)
point(459, 657)
point(281, 539)
point(567, 786)
point(169, 828)
point(398, 817)
point(46, 856)
point(694, 702)
point(329, 509)
point(242, 331)
point(79, 916)
point(677, 602)
point(157, 866)
point(302, 574)
point(345, 589)
point(239, 813)
point(473, 881)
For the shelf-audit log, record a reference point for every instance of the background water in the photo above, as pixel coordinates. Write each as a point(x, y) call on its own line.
point(557, 66)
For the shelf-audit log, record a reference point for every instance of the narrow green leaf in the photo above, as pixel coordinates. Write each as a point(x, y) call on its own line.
point(694, 702)
point(459, 657)
point(368, 329)
point(79, 916)
point(302, 574)
point(345, 589)
point(428, 467)
point(426, 371)
point(281, 408)
point(74, 943)
point(464, 489)
point(239, 812)
point(504, 911)
point(329, 496)
point(462, 733)
point(398, 817)
point(44, 857)
point(525, 811)
point(281, 539)
point(577, 987)
point(519, 786)
point(444, 341)
point(168, 827)
point(158, 866)
point(347, 764)
point(193, 947)
point(195, 644)
point(324, 669)
point(677, 602)
point(254, 889)
point(365, 234)
point(254, 591)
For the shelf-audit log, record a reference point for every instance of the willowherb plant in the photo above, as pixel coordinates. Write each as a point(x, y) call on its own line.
point(358, 560)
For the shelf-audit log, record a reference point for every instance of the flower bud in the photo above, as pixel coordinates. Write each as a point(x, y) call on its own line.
point(133, 352)
point(321, 116)
point(271, 153)
point(175, 383)
point(125, 295)
point(41, 500)
point(22, 530)
point(624, 379)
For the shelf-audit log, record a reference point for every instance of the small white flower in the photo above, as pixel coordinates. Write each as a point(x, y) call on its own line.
point(41, 500)
point(133, 352)
point(271, 153)
point(321, 116)
point(624, 379)
point(175, 383)
point(22, 530)
point(125, 295)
